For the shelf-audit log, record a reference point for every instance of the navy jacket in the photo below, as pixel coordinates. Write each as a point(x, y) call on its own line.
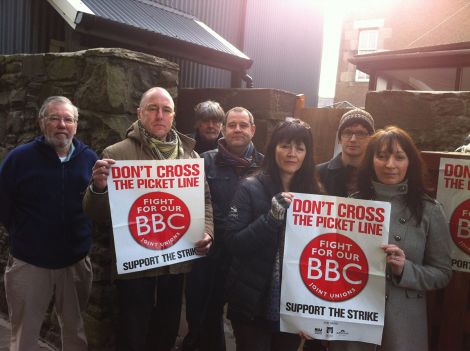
point(253, 238)
point(223, 182)
point(334, 176)
point(41, 203)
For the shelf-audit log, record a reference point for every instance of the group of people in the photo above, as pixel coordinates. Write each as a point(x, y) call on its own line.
point(52, 187)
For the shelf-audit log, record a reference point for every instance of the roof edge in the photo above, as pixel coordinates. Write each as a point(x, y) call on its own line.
point(155, 42)
point(69, 9)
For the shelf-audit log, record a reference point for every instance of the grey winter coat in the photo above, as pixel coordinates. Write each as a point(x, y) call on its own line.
point(427, 267)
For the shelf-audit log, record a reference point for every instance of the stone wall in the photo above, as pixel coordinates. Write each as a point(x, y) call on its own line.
point(107, 85)
point(437, 121)
point(268, 106)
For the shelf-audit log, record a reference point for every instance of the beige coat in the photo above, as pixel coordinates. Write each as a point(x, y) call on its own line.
point(96, 206)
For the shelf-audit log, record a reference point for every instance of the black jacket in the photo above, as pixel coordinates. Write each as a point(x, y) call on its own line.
point(223, 180)
point(334, 176)
point(252, 237)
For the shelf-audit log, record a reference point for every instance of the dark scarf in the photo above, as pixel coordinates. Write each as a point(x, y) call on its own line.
point(240, 164)
point(204, 145)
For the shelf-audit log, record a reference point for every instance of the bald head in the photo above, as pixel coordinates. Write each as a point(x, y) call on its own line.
point(156, 91)
point(156, 112)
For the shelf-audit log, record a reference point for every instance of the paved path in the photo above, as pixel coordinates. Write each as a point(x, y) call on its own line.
point(5, 336)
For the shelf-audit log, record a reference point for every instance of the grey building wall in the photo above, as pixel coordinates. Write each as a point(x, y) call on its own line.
point(284, 38)
point(14, 35)
point(27, 25)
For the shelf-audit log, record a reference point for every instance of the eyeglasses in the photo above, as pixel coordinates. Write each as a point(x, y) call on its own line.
point(348, 134)
point(56, 119)
point(297, 121)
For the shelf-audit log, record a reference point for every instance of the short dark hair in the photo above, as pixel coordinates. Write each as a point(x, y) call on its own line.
point(239, 109)
point(304, 180)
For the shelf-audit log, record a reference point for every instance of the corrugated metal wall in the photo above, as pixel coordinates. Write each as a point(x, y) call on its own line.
point(284, 38)
point(27, 25)
point(15, 26)
point(223, 16)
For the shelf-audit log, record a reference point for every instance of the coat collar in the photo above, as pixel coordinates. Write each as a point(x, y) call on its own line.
point(386, 191)
point(336, 163)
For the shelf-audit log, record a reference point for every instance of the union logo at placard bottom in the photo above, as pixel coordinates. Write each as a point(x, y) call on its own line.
point(158, 220)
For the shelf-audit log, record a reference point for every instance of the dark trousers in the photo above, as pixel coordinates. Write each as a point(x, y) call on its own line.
point(149, 313)
point(205, 306)
point(251, 337)
point(314, 345)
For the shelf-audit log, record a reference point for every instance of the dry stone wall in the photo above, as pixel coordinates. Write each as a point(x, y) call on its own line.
point(106, 85)
point(437, 121)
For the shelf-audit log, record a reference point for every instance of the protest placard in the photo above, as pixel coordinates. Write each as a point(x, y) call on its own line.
point(333, 275)
point(453, 192)
point(157, 212)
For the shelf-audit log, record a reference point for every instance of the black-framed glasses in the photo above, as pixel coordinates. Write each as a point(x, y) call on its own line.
point(348, 134)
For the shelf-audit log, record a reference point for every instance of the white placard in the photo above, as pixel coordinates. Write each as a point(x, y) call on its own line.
point(333, 276)
point(157, 211)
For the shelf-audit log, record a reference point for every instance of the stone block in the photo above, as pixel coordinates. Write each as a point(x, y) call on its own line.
point(4, 99)
point(18, 96)
point(437, 121)
point(63, 67)
point(106, 85)
point(267, 106)
point(15, 122)
point(13, 67)
point(33, 65)
point(10, 79)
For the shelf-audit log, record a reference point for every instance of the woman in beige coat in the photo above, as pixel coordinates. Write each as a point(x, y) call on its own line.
point(418, 253)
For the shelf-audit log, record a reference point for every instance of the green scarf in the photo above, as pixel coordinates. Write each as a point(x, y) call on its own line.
point(169, 149)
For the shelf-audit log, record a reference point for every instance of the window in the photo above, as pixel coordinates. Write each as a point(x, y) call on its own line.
point(368, 39)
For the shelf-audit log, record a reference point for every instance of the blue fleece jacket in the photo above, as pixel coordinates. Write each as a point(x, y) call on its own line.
point(41, 203)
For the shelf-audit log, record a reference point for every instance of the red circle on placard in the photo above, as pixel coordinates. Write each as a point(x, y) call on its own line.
point(460, 226)
point(334, 267)
point(158, 220)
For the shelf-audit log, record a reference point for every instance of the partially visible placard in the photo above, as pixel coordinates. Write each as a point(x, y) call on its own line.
point(453, 192)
